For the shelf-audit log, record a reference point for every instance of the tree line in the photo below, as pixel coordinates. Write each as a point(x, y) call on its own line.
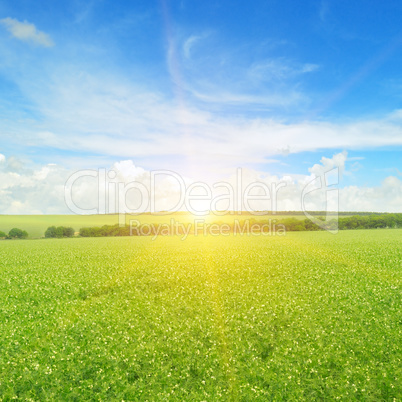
point(291, 224)
point(59, 232)
point(373, 221)
point(105, 231)
point(14, 233)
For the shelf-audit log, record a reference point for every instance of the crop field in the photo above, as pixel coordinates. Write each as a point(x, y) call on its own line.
point(306, 316)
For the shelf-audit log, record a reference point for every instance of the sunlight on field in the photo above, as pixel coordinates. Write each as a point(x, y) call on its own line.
point(305, 316)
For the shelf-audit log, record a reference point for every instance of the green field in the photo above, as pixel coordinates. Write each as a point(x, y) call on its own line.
point(306, 316)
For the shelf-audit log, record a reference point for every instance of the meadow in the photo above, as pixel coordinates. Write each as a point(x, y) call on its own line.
point(306, 316)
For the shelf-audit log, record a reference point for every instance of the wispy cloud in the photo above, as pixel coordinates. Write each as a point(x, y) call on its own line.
point(276, 69)
point(188, 44)
point(118, 119)
point(191, 41)
point(225, 76)
point(27, 32)
point(308, 68)
point(323, 10)
point(263, 101)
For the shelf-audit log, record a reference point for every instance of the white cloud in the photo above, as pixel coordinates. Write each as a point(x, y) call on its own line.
point(23, 192)
point(34, 191)
point(123, 121)
point(327, 164)
point(2, 158)
point(384, 198)
point(117, 119)
point(128, 171)
point(26, 31)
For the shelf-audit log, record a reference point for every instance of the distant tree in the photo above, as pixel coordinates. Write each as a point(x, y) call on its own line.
point(2, 234)
point(309, 225)
point(16, 233)
point(105, 230)
point(85, 232)
point(50, 231)
point(96, 232)
point(68, 232)
point(59, 232)
point(293, 224)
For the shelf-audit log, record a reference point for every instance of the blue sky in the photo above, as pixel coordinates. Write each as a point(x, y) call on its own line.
point(203, 87)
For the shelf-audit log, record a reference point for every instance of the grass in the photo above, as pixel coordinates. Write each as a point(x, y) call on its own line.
point(305, 316)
